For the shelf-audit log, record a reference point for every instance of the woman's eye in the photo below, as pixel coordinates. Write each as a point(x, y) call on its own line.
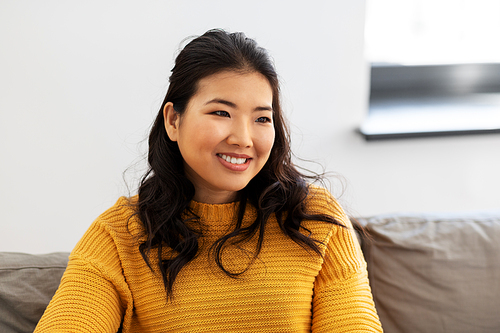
point(263, 120)
point(222, 113)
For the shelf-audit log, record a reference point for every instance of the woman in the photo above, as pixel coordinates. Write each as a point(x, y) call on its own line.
point(225, 234)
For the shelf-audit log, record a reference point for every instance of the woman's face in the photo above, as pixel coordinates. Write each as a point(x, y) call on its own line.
point(225, 134)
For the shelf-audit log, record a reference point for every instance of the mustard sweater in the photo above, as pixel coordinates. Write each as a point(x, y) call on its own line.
point(288, 289)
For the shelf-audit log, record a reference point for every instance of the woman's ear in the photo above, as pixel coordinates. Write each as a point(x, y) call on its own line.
point(171, 118)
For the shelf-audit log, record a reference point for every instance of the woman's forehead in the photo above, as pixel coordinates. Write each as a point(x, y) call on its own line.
point(234, 88)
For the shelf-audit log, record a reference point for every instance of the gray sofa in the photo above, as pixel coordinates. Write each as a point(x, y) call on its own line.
point(428, 273)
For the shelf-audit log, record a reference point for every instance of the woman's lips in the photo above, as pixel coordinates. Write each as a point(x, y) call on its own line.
point(234, 162)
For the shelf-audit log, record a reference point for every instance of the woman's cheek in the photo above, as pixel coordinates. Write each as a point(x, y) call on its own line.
point(266, 141)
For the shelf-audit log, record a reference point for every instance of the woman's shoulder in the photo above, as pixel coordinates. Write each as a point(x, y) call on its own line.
point(316, 191)
point(117, 228)
point(320, 201)
point(121, 217)
point(124, 206)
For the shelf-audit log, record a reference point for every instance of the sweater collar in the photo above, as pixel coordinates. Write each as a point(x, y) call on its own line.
point(227, 212)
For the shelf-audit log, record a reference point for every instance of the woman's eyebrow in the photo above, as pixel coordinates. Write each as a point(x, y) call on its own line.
point(264, 108)
point(221, 101)
point(233, 105)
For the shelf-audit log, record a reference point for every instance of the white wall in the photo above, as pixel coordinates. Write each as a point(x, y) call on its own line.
point(80, 83)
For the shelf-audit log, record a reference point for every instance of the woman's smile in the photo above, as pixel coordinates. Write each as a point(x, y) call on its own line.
point(233, 160)
point(234, 163)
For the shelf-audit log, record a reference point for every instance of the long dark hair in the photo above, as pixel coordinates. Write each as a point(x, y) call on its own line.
point(165, 192)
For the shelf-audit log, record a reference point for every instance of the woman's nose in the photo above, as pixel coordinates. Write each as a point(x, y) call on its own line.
point(240, 135)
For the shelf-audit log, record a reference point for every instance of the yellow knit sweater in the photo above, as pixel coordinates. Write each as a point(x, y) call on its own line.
point(288, 289)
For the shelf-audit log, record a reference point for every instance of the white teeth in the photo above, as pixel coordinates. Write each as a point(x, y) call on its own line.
point(233, 160)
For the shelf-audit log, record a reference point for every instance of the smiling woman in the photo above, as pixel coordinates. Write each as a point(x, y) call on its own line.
point(225, 235)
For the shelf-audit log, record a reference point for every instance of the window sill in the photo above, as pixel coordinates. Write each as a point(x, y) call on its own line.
point(432, 116)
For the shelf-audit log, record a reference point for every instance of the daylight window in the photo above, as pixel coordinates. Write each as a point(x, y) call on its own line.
point(435, 67)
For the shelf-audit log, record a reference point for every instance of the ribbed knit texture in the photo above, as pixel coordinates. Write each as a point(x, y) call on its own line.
point(287, 289)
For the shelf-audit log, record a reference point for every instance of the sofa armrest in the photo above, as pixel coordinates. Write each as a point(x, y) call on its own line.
point(435, 272)
point(27, 284)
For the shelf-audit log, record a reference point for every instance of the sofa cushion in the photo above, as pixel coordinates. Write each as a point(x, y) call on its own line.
point(27, 284)
point(435, 273)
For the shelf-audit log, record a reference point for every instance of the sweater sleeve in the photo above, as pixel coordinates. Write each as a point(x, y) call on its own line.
point(93, 292)
point(342, 300)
